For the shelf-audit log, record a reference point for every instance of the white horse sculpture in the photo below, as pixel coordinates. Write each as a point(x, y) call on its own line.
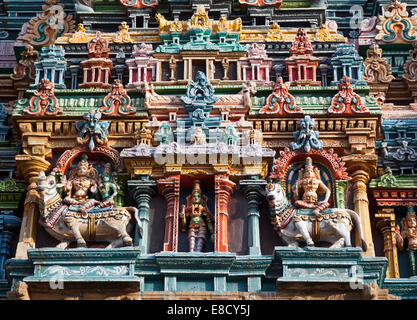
point(67, 224)
point(333, 227)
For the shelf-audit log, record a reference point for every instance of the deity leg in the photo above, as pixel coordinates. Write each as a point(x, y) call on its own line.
point(142, 191)
point(191, 239)
point(412, 262)
point(201, 239)
point(223, 190)
point(170, 189)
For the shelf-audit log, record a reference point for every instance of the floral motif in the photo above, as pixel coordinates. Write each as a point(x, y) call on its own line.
point(139, 3)
point(43, 101)
point(80, 36)
point(346, 101)
point(123, 35)
point(280, 101)
point(117, 101)
point(395, 24)
point(276, 3)
point(26, 66)
point(410, 66)
point(377, 68)
point(301, 44)
point(45, 28)
point(274, 33)
point(98, 47)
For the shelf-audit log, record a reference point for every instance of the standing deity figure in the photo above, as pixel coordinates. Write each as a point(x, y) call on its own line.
point(200, 219)
point(82, 182)
point(409, 232)
point(310, 184)
point(107, 188)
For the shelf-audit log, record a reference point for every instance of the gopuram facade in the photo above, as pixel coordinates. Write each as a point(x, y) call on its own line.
point(171, 149)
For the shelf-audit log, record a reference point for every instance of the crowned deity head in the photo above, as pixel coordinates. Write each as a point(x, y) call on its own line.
point(196, 193)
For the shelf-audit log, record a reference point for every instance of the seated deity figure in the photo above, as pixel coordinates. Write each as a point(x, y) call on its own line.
point(409, 232)
point(107, 188)
point(82, 181)
point(200, 219)
point(310, 184)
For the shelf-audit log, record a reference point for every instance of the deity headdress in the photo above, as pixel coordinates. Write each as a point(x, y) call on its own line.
point(196, 188)
point(404, 221)
point(308, 164)
point(411, 212)
point(91, 172)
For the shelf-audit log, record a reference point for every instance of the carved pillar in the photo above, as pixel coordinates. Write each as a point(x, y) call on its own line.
point(223, 190)
point(361, 203)
point(252, 190)
point(142, 191)
point(9, 227)
point(386, 224)
point(29, 168)
point(341, 186)
point(170, 189)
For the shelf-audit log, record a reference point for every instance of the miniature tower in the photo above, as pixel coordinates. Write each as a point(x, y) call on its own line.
point(98, 66)
point(347, 62)
point(142, 66)
point(301, 65)
point(256, 66)
point(51, 65)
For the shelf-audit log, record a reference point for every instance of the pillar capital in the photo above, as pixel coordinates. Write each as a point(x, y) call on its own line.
point(142, 191)
point(252, 189)
point(364, 164)
point(142, 186)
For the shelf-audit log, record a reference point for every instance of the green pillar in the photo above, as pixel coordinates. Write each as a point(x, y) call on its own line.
point(142, 191)
point(253, 192)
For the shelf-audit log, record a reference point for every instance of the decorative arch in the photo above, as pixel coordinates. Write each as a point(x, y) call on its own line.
point(328, 159)
point(67, 158)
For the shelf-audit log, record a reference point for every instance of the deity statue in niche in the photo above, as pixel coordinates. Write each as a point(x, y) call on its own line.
point(310, 184)
point(200, 219)
point(409, 233)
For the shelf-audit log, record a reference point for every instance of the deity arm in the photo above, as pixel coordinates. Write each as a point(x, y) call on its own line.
point(327, 191)
point(68, 188)
point(209, 219)
point(296, 190)
point(183, 219)
point(399, 238)
point(93, 187)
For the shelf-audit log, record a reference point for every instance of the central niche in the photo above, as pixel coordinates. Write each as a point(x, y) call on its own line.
point(198, 65)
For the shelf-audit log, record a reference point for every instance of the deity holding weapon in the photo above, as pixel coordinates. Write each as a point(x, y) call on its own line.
point(409, 233)
point(200, 219)
point(310, 184)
